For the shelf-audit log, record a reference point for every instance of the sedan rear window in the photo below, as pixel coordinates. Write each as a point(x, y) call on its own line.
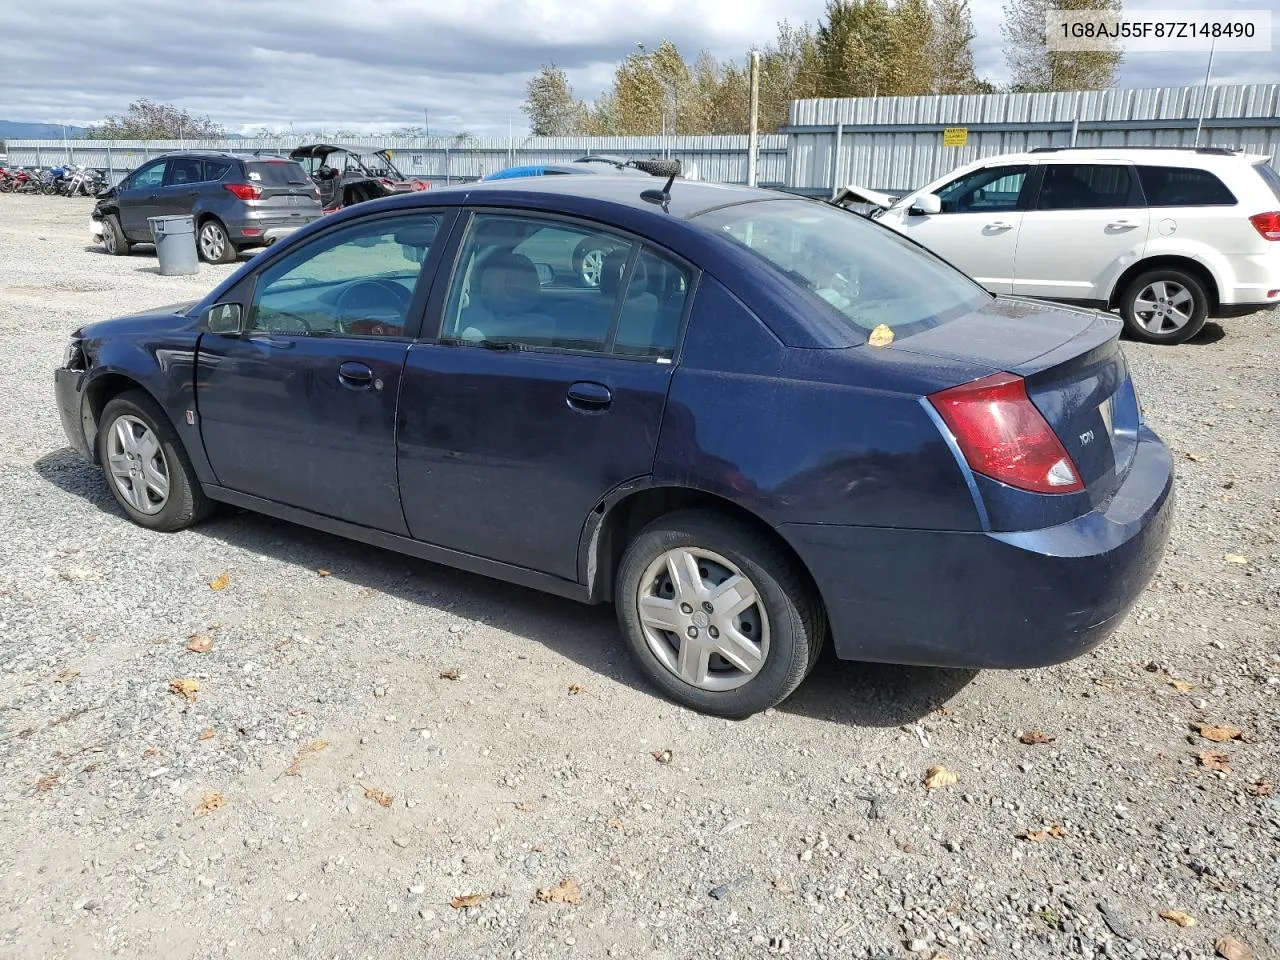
point(275, 173)
point(866, 272)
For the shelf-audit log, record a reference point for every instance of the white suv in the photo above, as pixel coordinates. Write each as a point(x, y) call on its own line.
point(1168, 236)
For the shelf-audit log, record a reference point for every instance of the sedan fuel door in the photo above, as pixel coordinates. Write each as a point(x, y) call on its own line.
point(976, 228)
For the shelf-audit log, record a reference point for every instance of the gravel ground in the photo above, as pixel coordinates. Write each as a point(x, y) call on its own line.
point(330, 790)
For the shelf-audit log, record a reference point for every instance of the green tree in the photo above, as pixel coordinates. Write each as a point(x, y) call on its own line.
point(854, 48)
point(147, 120)
point(952, 53)
point(1037, 69)
point(550, 104)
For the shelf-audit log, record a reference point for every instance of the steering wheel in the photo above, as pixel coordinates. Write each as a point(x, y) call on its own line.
point(306, 324)
point(382, 312)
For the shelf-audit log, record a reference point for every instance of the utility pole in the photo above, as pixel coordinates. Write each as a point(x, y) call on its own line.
point(1204, 94)
point(426, 123)
point(753, 143)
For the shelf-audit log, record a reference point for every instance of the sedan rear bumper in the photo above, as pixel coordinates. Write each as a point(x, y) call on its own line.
point(993, 600)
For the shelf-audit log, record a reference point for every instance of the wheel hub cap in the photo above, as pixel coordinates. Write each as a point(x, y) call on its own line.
point(703, 619)
point(137, 465)
point(1164, 306)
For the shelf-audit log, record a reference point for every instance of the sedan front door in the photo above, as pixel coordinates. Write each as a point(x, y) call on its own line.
point(977, 230)
point(543, 393)
point(300, 409)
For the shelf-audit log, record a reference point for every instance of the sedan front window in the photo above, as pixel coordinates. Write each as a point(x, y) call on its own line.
point(866, 273)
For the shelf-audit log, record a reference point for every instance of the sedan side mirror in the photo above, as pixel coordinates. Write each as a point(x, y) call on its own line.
point(226, 319)
point(925, 205)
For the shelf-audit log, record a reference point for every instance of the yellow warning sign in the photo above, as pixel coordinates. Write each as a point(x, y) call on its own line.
point(955, 137)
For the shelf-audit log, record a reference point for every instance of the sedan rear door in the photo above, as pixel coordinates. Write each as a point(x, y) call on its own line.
point(542, 392)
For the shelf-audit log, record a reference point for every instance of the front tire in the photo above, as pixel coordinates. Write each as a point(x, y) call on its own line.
point(147, 467)
point(717, 616)
point(214, 244)
point(1164, 306)
point(113, 239)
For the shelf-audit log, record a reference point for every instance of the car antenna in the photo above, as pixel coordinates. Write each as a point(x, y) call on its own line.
point(662, 196)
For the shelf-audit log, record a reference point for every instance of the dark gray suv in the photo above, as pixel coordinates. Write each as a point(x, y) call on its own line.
point(237, 202)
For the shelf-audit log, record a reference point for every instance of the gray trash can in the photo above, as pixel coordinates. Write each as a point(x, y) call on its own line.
point(175, 244)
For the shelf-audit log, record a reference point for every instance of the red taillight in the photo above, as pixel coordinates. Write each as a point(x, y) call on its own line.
point(385, 182)
point(1003, 436)
point(1267, 224)
point(245, 191)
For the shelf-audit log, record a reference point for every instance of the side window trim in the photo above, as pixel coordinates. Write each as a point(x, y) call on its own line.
point(248, 293)
point(1019, 204)
point(1135, 199)
point(620, 298)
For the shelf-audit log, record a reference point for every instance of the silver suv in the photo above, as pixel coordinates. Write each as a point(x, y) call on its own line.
point(237, 202)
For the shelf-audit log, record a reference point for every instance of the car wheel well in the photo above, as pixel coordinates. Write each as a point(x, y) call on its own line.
point(101, 392)
point(633, 513)
point(1168, 262)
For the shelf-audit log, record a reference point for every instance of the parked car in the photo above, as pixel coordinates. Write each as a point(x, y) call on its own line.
point(711, 438)
point(593, 163)
point(349, 175)
point(1169, 237)
point(238, 202)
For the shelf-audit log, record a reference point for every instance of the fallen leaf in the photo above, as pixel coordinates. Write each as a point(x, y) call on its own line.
point(566, 891)
point(1219, 884)
point(1234, 558)
point(450, 674)
point(1215, 760)
point(185, 687)
point(151, 752)
point(1036, 736)
point(208, 733)
point(1182, 686)
point(324, 573)
point(1219, 734)
point(46, 783)
point(664, 757)
point(944, 710)
point(1057, 831)
point(1040, 836)
point(311, 749)
point(939, 776)
point(468, 900)
point(209, 803)
point(881, 336)
point(1262, 788)
point(1232, 949)
point(781, 885)
point(1194, 457)
point(524, 807)
point(575, 688)
point(1178, 917)
point(66, 676)
point(615, 823)
point(220, 582)
point(199, 643)
point(379, 796)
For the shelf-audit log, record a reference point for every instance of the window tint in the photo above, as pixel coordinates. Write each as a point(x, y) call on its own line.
point(1269, 174)
point(357, 281)
point(215, 170)
point(535, 284)
point(152, 175)
point(275, 173)
point(866, 273)
point(184, 170)
point(983, 191)
point(649, 321)
point(1183, 187)
point(1085, 186)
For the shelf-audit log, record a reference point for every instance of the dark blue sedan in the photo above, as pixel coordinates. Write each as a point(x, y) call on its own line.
point(768, 423)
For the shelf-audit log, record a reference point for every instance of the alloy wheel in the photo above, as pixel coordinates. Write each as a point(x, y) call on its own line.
point(1164, 306)
point(109, 239)
point(137, 465)
point(213, 242)
point(703, 619)
point(592, 267)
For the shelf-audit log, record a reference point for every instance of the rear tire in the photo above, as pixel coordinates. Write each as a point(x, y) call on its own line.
point(146, 466)
point(1164, 306)
point(768, 618)
point(113, 239)
point(213, 244)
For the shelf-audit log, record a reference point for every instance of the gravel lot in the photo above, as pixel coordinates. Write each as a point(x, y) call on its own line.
point(328, 793)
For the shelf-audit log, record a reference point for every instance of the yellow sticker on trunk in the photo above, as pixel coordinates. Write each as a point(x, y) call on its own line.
point(881, 336)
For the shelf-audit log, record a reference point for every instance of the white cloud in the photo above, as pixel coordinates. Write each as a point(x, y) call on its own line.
point(377, 64)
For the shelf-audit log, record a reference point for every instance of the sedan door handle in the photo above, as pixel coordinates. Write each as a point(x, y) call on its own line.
point(1000, 225)
point(355, 375)
point(1119, 224)
point(589, 395)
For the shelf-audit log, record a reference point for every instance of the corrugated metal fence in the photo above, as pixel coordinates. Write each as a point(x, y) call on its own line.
point(440, 160)
point(886, 143)
point(896, 143)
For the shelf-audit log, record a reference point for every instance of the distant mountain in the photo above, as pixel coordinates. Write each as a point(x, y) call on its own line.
point(13, 130)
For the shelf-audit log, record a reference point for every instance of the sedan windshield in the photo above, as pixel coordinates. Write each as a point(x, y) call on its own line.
point(866, 273)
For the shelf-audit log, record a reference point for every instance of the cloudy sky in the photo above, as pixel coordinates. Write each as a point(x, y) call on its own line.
point(376, 64)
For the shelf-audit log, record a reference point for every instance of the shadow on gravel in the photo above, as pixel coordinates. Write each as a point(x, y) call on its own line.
point(857, 694)
point(1209, 333)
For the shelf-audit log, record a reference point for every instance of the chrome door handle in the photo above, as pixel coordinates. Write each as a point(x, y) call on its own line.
point(1000, 225)
point(1122, 223)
